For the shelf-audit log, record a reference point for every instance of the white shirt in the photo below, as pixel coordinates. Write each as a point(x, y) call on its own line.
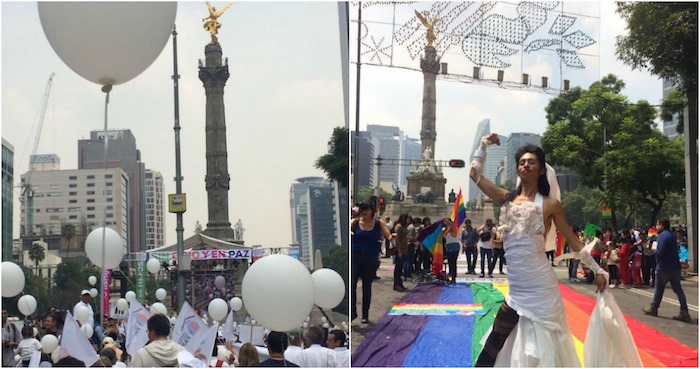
point(316, 356)
point(91, 319)
point(488, 244)
point(342, 357)
point(291, 354)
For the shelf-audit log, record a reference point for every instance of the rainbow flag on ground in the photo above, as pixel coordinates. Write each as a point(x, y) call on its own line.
point(431, 238)
point(459, 212)
point(454, 340)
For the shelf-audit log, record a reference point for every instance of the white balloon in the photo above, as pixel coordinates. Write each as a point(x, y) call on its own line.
point(26, 304)
point(173, 320)
point(326, 325)
point(12, 279)
point(308, 319)
point(87, 330)
point(159, 308)
point(122, 304)
point(92, 280)
point(130, 295)
point(107, 42)
point(35, 331)
point(253, 322)
point(49, 343)
point(324, 319)
point(82, 313)
point(305, 325)
point(218, 308)
point(112, 246)
point(153, 265)
point(93, 292)
point(329, 288)
point(278, 291)
point(161, 294)
point(236, 303)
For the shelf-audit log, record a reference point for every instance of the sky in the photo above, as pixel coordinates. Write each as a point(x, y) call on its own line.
point(283, 98)
point(392, 96)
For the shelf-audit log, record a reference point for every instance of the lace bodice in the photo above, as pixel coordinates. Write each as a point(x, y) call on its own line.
point(522, 219)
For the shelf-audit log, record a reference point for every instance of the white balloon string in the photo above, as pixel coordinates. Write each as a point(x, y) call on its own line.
point(106, 90)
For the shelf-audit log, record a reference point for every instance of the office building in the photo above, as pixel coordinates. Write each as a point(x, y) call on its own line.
point(155, 215)
point(121, 152)
point(8, 158)
point(670, 128)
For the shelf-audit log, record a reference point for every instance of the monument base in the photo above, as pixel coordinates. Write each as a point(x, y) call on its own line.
point(437, 211)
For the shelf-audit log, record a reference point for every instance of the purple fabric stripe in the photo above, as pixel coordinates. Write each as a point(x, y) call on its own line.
point(391, 338)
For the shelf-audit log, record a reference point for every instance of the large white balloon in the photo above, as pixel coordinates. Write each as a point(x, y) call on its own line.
point(159, 308)
point(49, 343)
point(236, 303)
point(112, 247)
point(12, 279)
point(161, 294)
point(218, 308)
point(130, 295)
point(122, 304)
point(26, 304)
point(87, 330)
point(92, 280)
point(278, 292)
point(153, 265)
point(93, 292)
point(107, 42)
point(329, 288)
point(82, 313)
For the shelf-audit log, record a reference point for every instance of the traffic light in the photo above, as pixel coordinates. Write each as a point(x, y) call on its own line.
point(456, 163)
point(382, 205)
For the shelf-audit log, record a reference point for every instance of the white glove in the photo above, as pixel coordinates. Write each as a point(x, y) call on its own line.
point(479, 157)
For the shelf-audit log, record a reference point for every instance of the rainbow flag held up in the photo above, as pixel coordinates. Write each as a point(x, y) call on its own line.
point(652, 233)
point(431, 238)
point(459, 212)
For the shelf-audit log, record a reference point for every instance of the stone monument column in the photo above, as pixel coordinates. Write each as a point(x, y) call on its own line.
point(214, 76)
point(430, 65)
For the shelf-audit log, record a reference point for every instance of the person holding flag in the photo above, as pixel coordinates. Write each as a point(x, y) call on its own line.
point(533, 304)
point(452, 247)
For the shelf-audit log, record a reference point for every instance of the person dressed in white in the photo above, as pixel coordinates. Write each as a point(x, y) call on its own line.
point(291, 354)
point(530, 328)
point(336, 342)
point(85, 301)
point(315, 355)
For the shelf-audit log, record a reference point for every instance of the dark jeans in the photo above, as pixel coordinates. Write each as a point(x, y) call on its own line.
point(471, 257)
point(486, 253)
point(648, 269)
point(427, 260)
point(363, 267)
point(417, 259)
point(663, 277)
point(452, 263)
point(614, 272)
point(387, 245)
point(498, 254)
point(573, 268)
point(408, 261)
point(398, 268)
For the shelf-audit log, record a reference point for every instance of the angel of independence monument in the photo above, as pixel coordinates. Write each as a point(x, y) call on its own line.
point(226, 244)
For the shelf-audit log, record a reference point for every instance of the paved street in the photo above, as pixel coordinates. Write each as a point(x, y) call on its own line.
point(631, 301)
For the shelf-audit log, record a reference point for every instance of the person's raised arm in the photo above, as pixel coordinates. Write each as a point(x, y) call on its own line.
point(494, 192)
point(385, 230)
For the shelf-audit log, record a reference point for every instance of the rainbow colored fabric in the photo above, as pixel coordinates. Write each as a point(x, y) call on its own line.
point(452, 340)
point(652, 233)
point(459, 212)
point(431, 238)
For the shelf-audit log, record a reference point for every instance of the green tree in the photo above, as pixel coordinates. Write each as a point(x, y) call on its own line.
point(614, 146)
point(337, 259)
point(335, 162)
point(37, 255)
point(365, 192)
point(67, 232)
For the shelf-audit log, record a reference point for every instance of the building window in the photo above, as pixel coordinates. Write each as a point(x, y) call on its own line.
point(110, 215)
point(109, 199)
point(91, 185)
point(72, 194)
point(91, 208)
point(73, 217)
point(91, 192)
point(90, 200)
point(108, 184)
point(73, 210)
point(91, 216)
point(73, 185)
point(110, 207)
point(91, 177)
point(73, 178)
point(108, 176)
point(72, 201)
point(54, 187)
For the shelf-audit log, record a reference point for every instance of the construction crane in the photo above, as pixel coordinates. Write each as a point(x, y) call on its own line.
point(27, 192)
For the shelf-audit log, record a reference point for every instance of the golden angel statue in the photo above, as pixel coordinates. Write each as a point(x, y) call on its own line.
point(429, 24)
point(211, 24)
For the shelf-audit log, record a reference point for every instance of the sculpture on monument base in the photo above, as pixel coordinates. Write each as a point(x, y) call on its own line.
point(452, 197)
point(427, 164)
point(398, 195)
point(238, 230)
point(424, 198)
point(211, 24)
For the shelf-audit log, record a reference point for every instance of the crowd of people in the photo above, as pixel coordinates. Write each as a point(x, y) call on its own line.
point(21, 344)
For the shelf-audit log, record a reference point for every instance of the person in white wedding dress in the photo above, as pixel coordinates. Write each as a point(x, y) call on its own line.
point(530, 328)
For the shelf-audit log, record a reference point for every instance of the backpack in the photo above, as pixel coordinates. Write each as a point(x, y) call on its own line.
point(485, 236)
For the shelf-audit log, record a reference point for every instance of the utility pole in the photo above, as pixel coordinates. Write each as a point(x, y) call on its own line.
point(178, 182)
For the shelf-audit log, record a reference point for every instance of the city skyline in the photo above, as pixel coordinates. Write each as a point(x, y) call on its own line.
point(283, 99)
point(392, 95)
